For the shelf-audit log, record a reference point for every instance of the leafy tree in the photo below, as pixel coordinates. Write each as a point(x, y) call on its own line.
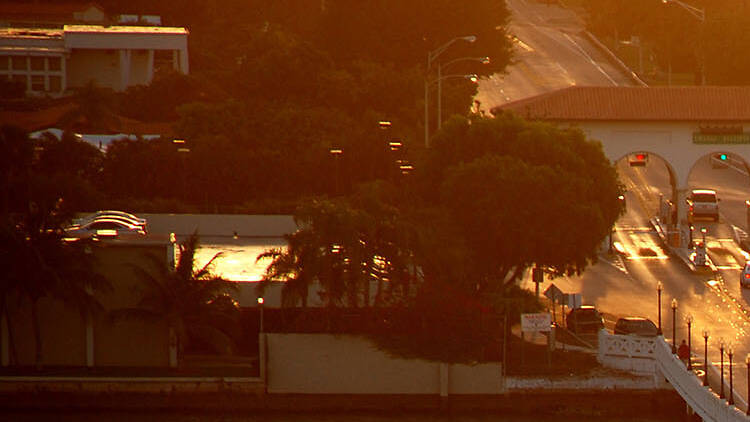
point(193, 302)
point(16, 153)
point(158, 101)
point(403, 33)
point(93, 111)
point(523, 193)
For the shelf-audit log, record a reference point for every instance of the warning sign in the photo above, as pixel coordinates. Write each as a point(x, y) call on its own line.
point(535, 322)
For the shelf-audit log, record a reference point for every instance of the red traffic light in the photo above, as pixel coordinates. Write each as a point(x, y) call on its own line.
point(638, 159)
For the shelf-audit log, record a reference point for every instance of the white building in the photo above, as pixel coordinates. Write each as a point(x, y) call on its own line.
point(54, 61)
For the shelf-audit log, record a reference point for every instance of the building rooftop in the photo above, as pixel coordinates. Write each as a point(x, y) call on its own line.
point(124, 29)
point(31, 33)
point(583, 103)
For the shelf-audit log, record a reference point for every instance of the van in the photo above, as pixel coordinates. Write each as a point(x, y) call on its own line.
point(703, 203)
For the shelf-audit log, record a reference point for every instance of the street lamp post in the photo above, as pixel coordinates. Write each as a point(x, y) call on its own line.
point(703, 233)
point(721, 352)
point(674, 325)
point(659, 288)
point(482, 60)
point(705, 358)
point(260, 306)
point(689, 320)
point(747, 362)
point(730, 353)
point(431, 56)
point(692, 227)
point(183, 150)
point(336, 153)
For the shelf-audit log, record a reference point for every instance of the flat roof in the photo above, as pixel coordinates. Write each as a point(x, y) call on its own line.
point(99, 29)
point(31, 33)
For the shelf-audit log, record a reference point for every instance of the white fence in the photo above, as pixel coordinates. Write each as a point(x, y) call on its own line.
point(641, 355)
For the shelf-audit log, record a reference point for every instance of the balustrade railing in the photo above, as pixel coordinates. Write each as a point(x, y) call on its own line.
point(653, 355)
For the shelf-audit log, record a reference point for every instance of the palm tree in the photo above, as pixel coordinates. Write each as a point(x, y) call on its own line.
point(344, 249)
point(194, 303)
point(42, 264)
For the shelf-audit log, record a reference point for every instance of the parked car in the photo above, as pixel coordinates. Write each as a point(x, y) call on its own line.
point(637, 326)
point(584, 319)
point(745, 275)
point(120, 215)
point(103, 226)
point(703, 203)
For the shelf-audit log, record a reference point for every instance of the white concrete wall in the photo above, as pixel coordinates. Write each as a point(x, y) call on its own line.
point(102, 66)
point(123, 38)
point(221, 224)
point(671, 141)
point(139, 64)
point(327, 364)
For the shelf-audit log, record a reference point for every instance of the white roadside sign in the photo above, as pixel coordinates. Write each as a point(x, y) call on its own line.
point(535, 322)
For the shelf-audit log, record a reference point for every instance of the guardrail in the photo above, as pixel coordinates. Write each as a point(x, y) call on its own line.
point(653, 355)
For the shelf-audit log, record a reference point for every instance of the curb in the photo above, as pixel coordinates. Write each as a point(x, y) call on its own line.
point(614, 58)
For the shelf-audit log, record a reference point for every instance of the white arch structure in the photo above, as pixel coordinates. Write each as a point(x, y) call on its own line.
point(679, 124)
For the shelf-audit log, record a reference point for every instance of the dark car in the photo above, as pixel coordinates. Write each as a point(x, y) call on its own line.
point(585, 319)
point(637, 326)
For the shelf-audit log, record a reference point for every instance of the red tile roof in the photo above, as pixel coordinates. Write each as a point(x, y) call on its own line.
point(580, 103)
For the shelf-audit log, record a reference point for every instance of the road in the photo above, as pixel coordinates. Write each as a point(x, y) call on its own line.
point(551, 52)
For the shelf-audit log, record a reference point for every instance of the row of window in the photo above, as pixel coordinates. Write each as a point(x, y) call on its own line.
point(30, 63)
point(36, 73)
point(39, 83)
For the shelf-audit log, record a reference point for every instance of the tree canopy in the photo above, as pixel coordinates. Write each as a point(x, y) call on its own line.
point(493, 197)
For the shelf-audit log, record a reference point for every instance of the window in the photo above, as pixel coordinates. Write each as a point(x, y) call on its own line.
point(37, 63)
point(53, 63)
point(20, 79)
point(55, 84)
point(37, 83)
point(19, 62)
point(4, 62)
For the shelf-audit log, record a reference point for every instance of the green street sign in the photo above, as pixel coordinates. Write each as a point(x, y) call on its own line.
point(721, 138)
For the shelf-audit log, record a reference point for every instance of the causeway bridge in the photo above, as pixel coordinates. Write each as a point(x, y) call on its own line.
point(707, 394)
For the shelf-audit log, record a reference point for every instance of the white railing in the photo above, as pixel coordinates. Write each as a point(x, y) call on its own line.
point(654, 356)
point(701, 399)
point(633, 354)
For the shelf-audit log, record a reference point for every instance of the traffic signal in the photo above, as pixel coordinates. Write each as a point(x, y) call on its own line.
point(722, 157)
point(638, 159)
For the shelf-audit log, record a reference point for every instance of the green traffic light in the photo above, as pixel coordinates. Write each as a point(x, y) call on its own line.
point(723, 157)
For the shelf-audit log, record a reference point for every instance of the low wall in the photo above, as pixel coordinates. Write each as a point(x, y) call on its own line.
point(630, 353)
point(221, 224)
point(327, 364)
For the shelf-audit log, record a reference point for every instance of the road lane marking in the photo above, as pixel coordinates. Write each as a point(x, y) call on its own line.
point(589, 58)
point(522, 44)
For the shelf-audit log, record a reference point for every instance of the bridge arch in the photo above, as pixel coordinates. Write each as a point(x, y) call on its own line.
point(723, 158)
point(634, 160)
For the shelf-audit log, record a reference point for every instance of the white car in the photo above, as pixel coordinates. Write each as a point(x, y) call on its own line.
point(703, 203)
point(112, 214)
point(745, 275)
point(104, 227)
